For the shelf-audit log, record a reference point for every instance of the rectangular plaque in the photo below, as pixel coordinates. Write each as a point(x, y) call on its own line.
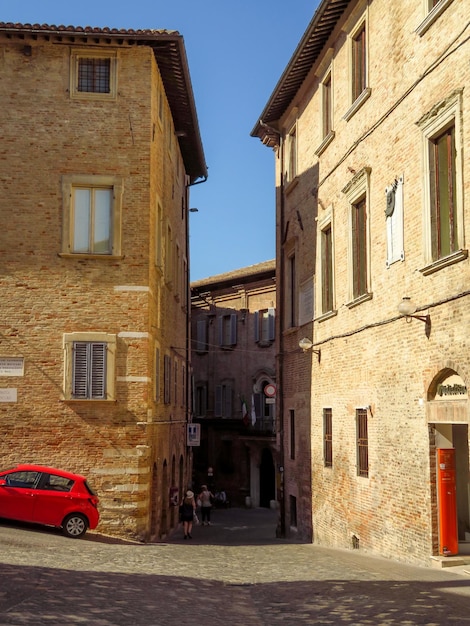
point(11, 366)
point(8, 395)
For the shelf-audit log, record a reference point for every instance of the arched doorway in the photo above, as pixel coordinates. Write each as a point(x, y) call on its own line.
point(267, 479)
point(447, 410)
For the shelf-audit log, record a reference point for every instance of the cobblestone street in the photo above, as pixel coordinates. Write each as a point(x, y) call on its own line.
point(234, 572)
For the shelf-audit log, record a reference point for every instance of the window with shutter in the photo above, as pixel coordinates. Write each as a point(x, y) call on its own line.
point(201, 336)
point(167, 379)
point(228, 330)
point(89, 370)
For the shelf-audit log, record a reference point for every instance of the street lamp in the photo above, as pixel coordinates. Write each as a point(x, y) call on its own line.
point(305, 344)
point(407, 308)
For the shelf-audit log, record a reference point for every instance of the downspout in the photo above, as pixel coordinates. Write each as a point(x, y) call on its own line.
point(189, 372)
point(280, 280)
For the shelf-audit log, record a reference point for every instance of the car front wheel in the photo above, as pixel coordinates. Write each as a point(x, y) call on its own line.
point(75, 525)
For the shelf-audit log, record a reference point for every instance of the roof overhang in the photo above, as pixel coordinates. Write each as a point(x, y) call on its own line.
point(169, 51)
point(306, 54)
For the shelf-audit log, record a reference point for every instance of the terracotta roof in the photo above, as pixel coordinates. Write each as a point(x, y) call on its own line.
point(243, 274)
point(307, 52)
point(169, 50)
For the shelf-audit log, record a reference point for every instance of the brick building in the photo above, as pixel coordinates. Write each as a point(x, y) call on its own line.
point(370, 127)
point(234, 369)
point(100, 145)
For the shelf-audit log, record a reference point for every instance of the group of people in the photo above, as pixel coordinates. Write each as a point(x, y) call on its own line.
point(189, 507)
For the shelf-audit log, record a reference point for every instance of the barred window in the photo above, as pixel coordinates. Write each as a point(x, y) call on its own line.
point(362, 443)
point(327, 437)
point(94, 75)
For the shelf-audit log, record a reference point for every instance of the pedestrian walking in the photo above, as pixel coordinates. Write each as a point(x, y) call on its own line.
point(206, 497)
point(187, 513)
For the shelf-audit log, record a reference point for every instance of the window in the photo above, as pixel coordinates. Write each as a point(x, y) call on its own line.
point(223, 401)
point(327, 438)
point(169, 256)
point(443, 186)
point(359, 247)
point(92, 215)
point(433, 9)
point(93, 74)
point(264, 326)
point(360, 91)
point(327, 268)
point(293, 511)
point(362, 443)
point(442, 194)
point(291, 154)
point(201, 400)
point(228, 330)
point(327, 106)
point(291, 292)
point(159, 236)
point(357, 193)
point(89, 367)
point(167, 379)
point(359, 60)
point(202, 344)
point(157, 374)
point(292, 433)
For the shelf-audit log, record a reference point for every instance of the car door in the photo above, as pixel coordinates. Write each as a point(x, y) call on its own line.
point(53, 499)
point(17, 495)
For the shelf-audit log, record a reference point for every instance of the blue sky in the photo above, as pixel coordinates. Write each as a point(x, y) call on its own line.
point(236, 52)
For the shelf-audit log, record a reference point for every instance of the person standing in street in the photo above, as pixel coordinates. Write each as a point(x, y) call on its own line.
point(187, 512)
point(206, 498)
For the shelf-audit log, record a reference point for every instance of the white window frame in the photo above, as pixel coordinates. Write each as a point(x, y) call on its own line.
point(431, 13)
point(443, 115)
point(264, 322)
point(72, 181)
point(75, 56)
point(69, 340)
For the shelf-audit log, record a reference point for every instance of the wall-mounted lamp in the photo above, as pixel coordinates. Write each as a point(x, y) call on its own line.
point(305, 344)
point(193, 210)
point(408, 308)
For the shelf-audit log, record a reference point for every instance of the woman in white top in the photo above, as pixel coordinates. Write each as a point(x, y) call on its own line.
point(206, 497)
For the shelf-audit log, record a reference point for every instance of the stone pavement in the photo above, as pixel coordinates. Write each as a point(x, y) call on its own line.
point(234, 572)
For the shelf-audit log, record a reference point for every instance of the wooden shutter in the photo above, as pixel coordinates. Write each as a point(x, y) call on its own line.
point(256, 319)
point(218, 401)
point(233, 329)
point(201, 336)
point(89, 370)
point(271, 320)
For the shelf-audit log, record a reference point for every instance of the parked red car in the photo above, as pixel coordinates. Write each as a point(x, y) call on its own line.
point(53, 497)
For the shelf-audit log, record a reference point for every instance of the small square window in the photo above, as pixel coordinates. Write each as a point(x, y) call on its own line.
point(93, 74)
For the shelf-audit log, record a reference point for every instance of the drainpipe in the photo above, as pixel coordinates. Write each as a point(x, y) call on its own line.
point(189, 373)
point(280, 283)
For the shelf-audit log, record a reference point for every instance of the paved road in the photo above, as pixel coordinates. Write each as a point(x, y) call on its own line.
point(233, 573)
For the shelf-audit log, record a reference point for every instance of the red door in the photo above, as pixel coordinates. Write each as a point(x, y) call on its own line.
point(447, 502)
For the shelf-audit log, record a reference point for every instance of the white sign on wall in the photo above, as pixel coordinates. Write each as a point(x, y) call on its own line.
point(8, 395)
point(11, 366)
point(194, 435)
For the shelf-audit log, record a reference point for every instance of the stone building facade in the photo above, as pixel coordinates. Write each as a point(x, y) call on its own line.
point(100, 145)
point(371, 132)
point(234, 369)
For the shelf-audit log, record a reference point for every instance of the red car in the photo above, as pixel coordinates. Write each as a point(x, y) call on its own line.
point(53, 497)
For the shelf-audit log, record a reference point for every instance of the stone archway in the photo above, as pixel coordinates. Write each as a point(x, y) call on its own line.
point(448, 418)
